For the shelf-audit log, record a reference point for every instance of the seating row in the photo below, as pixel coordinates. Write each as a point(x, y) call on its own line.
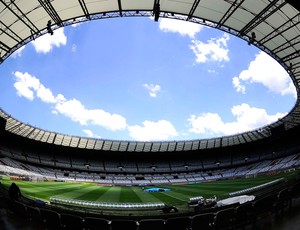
point(69, 163)
point(228, 217)
point(12, 166)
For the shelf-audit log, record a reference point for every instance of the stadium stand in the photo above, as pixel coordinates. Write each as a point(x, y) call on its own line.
point(16, 167)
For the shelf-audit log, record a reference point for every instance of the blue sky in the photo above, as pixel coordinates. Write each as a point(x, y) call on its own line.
point(136, 79)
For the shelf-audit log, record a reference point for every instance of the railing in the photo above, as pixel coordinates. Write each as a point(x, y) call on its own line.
point(106, 205)
point(255, 188)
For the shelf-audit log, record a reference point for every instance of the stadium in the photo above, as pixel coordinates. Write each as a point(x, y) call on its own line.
point(72, 182)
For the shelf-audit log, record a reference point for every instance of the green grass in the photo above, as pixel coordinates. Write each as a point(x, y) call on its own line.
point(178, 194)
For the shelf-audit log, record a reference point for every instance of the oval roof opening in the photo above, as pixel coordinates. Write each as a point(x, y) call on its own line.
point(135, 79)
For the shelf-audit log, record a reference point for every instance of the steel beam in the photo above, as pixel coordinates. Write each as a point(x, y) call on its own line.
point(192, 11)
point(234, 6)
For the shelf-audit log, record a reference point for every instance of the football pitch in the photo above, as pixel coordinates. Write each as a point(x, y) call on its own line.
point(177, 195)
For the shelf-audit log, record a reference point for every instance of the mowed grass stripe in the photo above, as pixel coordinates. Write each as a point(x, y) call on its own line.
point(42, 191)
point(163, 197)
point(145, 196)
point(129, 196)
point(89, 191)
point(222, 188)
point(200, 190)
point(47, 184)
point(7, 181)
point(74, 194)
point(211, 190)
point(45, 195)
point(41, 186)
point(225, 186)
point(94, 193)
point(189, 191)
point(176, 195)
point(48, 188)
point(111, 195)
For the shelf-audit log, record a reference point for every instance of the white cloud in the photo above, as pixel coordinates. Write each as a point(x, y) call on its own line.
point(212, 71)
point(75, 110)
point(77, 24)
point(45, 43)
point(184, 28)
point(26, 85)
point(89, 133)
point(29, 86)
point(18, 52)
point(238, 86)
point(206, 122)
point(153, 89)
point(247, 118)
point(54, 112)
point(265, 70)
point(160, 130)
point(45, 94)
point(214, 50)
point(24, 91)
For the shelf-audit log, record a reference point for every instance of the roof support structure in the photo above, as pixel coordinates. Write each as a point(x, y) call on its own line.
point(288, 44)
point(263, 15)
point(234, 6)
point(30, 133)
point(291, 56)
point(120, 7)
point(12, 7)
point(16, 127)
point(241, 139)
point(281, 29)
point(270, 25)
point(296, 71)
point(194, 7)
point(51, 11)
point(4, 47)
point(34, 134)
point(84, 9)
point(5, 29)
point(156, 10)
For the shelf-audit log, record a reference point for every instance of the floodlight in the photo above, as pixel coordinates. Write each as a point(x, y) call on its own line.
point(252, 39)
point(49, 29)
point(290, 67)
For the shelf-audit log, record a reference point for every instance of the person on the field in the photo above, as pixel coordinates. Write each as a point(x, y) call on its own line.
point(14, 192)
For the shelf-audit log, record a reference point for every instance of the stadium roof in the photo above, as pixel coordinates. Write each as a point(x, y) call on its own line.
point(273, 26)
